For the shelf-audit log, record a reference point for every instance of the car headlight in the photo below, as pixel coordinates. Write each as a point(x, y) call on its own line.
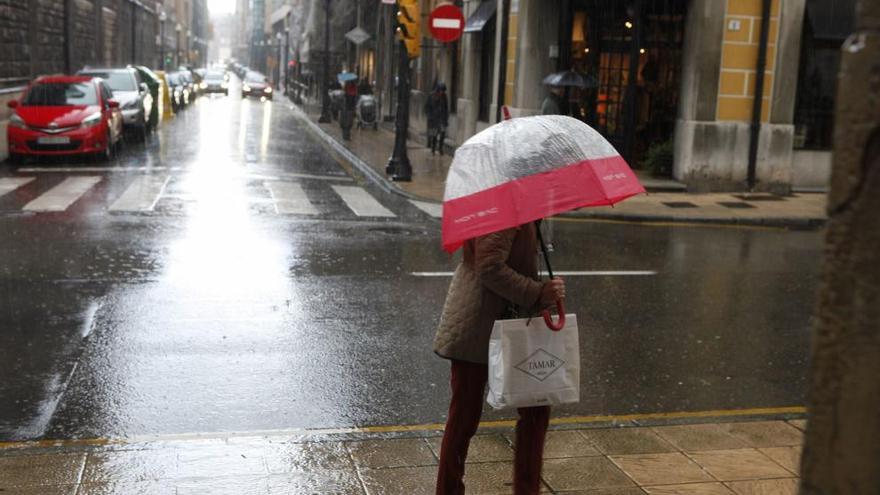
point(16, 121)
point(203, 85)
point(224, 85)
point(245, 87)
point(92, 120)
point(130, 105)
point(268, 89)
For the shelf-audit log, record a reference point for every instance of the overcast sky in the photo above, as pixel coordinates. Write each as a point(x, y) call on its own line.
point(221, 6)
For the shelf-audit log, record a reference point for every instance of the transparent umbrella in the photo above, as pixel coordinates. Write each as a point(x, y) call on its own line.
point(522, 170)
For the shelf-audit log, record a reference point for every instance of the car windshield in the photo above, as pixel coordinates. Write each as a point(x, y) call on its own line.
point(173, 79)
point(214, 75)
point(118, 81)
point(255, 77)
point(60, 94)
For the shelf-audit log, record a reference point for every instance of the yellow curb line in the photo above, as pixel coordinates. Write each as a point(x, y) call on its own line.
point(720, 413)
point(508, 423)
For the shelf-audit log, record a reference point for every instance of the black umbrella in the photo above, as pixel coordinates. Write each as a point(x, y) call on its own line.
point(571, 78)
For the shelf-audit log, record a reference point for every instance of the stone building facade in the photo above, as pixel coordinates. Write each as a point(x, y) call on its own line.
point(679, 74)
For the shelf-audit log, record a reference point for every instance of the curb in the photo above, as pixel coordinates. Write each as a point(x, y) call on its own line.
point(800, 223)
point(342, 153)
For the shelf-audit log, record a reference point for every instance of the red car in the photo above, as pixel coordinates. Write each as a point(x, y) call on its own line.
point(64, 115)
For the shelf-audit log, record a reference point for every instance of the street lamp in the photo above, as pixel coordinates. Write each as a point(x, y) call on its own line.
point(325, 95)
point(162, 18)
point(177, 28)
point(279, 37)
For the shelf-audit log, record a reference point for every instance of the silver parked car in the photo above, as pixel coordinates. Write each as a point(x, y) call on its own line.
point(132, 94)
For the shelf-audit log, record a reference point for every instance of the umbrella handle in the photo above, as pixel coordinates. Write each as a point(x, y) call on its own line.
point(548, 319)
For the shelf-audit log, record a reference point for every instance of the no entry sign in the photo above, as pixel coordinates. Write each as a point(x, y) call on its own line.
point(446, 23)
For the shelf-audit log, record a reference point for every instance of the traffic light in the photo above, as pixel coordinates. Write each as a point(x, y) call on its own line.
point(408, 26)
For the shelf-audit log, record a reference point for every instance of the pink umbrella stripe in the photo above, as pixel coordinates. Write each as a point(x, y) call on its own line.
point(590, 182)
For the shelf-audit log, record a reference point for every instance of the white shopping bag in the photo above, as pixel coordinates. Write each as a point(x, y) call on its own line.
point(531, 365)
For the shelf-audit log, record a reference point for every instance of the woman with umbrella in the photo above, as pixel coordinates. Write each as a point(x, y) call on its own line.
point(500, 183)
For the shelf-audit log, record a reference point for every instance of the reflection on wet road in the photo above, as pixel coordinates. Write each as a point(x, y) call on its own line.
point(244, 281)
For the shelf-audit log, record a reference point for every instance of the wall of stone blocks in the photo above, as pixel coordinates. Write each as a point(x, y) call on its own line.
point(100, 33)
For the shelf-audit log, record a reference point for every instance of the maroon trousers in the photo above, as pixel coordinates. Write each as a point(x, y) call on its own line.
point(468, 383)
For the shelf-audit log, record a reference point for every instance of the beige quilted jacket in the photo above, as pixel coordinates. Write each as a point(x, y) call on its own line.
point(497, 270)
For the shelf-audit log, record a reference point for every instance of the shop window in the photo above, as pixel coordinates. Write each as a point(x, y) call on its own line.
point(827, 23)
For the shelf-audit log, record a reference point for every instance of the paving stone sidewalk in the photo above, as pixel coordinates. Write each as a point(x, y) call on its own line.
point(667, 200)
point(742, 458)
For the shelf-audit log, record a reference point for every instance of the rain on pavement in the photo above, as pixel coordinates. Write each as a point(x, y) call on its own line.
point(231, 276)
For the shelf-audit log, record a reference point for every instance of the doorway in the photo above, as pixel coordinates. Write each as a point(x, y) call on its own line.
point(632, 49)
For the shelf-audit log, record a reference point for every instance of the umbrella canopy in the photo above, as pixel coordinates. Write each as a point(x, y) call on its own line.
point(572, 79)
point(344, 77)
point(521, 170)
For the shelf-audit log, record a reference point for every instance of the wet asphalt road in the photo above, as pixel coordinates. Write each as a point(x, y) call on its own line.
point(215, 313)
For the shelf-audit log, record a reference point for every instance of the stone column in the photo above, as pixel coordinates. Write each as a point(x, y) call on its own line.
point(538, 29)
point(466, 108)
point(842, 452)
point(718, 81)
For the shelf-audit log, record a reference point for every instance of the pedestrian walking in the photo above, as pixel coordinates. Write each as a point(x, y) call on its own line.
point(346, 118)
point(437, 112)
point(554, 103)
point(497, 278)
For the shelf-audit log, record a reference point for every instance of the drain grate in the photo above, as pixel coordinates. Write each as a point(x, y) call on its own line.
point(735, 205)
point(679, 204)
point(759, 197)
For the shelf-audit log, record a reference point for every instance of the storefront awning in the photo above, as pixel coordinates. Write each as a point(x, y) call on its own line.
point(477, 21)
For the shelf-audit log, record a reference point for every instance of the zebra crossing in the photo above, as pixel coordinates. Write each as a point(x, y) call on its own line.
point(145, 193)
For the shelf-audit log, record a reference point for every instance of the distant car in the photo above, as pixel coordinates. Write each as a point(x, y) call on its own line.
point(64, 115)
point(215, 82)
point(179, 91)
point(191, 82)
point(133, 95)
point(256, 84)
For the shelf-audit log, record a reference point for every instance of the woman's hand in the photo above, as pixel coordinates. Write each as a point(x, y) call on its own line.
point(553, 290)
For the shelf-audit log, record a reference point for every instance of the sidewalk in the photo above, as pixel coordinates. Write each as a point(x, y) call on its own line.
point(743, 458)
point(369, 151)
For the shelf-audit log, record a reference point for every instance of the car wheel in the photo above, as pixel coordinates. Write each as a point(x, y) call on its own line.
point(16, 158)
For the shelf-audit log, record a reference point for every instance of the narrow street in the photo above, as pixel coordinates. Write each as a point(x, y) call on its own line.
point(230, 276)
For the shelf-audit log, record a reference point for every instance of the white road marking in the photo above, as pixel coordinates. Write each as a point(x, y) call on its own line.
point(433, 209)
point(361, 203)
point(142, 195)
point(595, 273)
point(96, 169)
point(446, 23)
point(290, 199)
point(60, 197)
point(292, 175)
point(9, 184)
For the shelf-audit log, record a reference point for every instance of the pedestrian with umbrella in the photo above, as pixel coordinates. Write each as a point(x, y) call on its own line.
point(556, 102)
point(501, 182)
point(348, 80)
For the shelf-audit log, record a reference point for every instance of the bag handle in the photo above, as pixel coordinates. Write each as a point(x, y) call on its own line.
point(560, 323)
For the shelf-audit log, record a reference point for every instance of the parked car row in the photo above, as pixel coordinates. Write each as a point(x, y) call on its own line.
point(88, 113)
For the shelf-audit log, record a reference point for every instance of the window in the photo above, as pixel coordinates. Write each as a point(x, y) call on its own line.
point(827, 23)
point(60, 94)
point(118, 81)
